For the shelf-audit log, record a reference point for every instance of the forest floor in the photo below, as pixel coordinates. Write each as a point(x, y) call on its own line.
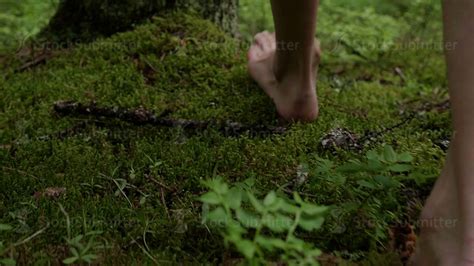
point(130, 188)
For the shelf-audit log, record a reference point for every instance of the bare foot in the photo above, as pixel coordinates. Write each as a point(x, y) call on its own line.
point(294, 92)
point(440, 240)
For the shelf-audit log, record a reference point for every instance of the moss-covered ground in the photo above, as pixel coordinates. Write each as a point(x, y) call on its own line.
point(138, 185)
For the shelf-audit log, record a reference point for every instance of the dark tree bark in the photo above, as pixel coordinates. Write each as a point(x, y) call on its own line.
point(87, 19)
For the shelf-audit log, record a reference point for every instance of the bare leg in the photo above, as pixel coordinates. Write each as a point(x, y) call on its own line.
point(459, 25)
point(285, 63)
point(440, 231)
point(453, 196)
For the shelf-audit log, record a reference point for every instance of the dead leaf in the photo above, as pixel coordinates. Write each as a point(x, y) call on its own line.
point(403, 240)
point(340, 138)
point(329, 260)
point(51, 193)
point(5, 146)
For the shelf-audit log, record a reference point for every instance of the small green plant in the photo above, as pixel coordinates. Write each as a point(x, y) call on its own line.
point(260, 228)
point(3, 247)
point(369, 189)
point(22, 19)
point(80, 252)
point(382, 171)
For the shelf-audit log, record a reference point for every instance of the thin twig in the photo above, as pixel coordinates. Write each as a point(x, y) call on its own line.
point(24, 241)
point(146, 252)
point(158, 183)
point(35, 62)
point(163, 201)
point(122, 192)
point(141, 116)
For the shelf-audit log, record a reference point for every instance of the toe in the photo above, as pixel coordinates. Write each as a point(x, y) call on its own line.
point(255, 52)
point(270, 41)
point(262, 45)
point(264, 40)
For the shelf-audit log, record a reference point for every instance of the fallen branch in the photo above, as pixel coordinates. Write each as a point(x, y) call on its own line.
point(371, 136)
point(41, 59)
point(141, 116)
point(343, 138)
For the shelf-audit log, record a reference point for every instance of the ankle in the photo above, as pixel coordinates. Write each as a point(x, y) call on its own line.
point(301, 82)
point(292, 65)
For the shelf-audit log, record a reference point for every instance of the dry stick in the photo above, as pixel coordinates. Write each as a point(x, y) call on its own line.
point(141, 116)
point(32, 236)
point(374, 135)
point(159, 183)
point(163, 201)
point(26, 240)
point(441, 106)
point(145, 251)
point(162, 192)
point(35, 62)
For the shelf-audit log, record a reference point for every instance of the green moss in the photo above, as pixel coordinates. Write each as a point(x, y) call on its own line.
point(22, 20)
point(186, 66)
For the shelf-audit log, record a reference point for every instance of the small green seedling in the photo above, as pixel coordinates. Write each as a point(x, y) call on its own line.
point(372, 184)
point(82, 246)
point(259, 229)
point(3, 247)
point(82, 252)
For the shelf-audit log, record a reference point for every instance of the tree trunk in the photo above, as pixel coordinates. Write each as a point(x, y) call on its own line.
point(84, 20)
point(222, 12)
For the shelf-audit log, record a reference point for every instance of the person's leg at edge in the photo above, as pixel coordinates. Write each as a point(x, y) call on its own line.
point(285, 64)
point(450, 241)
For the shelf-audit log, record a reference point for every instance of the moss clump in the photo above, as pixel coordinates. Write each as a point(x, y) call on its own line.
point(187, 68)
